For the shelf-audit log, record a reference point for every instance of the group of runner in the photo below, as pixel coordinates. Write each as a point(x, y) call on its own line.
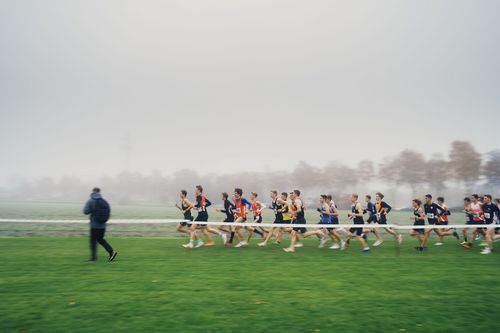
point(289, 209)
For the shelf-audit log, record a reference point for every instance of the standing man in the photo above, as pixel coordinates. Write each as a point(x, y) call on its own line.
point(99, 212)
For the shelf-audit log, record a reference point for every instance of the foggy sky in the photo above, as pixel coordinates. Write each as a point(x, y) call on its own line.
point(241, 85)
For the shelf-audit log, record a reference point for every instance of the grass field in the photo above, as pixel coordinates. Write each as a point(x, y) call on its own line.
point(156, 285)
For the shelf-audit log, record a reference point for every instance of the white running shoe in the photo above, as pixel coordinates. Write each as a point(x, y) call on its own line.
point(288, 250)
point(399, 238)
point(322, 243)
point(378, 243)
point(438, 244)
point(335, 246)
point(486, 250)
point(241, 244)
point(262, 244)
point(299, 244)
point(200, 244)
point(188, 246)
point(224, 237)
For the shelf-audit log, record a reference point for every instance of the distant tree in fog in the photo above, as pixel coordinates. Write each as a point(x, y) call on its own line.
point(408, 168)
point(465, 163)
point(338, 177)
point(437, 173)
point(365, 171)
point(306, 175)
point(491, 170)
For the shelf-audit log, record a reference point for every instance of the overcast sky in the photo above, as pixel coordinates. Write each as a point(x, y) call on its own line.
point(241, 85)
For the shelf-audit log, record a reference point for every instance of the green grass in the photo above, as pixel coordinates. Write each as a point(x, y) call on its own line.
point(156, 285)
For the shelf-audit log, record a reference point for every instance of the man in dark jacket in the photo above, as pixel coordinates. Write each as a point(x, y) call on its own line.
point(97, 226)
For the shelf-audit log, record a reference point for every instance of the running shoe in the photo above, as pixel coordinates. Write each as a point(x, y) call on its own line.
point(486, 250)
point(112, 256)
point(322, 243)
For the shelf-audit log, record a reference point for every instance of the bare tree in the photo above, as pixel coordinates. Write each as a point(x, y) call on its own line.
point(408, 168)
point(491, 170)
point(437, 173)
point(338, 177)
point(365, 171)
point(465, 163)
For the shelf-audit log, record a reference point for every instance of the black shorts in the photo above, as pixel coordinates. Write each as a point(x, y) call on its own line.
point(190, 218)
point(420, 231)
point(356, 231)
point(372, 218)
point(229, 219)
point(202, 217)
point(257, 219)
point(286, 222)
point(278, 220)
point(300, 230)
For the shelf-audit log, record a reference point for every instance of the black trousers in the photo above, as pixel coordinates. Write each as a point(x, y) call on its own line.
point(97, 236)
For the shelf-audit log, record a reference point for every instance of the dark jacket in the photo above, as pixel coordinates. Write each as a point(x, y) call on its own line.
point(89, 208)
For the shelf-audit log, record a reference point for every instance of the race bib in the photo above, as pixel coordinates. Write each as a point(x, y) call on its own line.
point(487, 215)
point(430, 216)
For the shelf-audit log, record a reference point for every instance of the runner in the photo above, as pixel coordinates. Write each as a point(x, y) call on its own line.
point(276, 206)
point(201, 206)
point(478, 218)
point(285, 211)
point(490, 211)
point(334, 215)
point(240, 214)
point(372, 218)
point(229, 211)
point(432, 211)
point(185, 207)
point(356, 214)
point(418, 219)
point(298, 218)
point(257, 207)
point(442, 218)
point(325, 218)
point(382, 209)
point(469, 219)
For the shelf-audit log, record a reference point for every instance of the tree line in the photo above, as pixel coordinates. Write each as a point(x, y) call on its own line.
point(464, 170)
